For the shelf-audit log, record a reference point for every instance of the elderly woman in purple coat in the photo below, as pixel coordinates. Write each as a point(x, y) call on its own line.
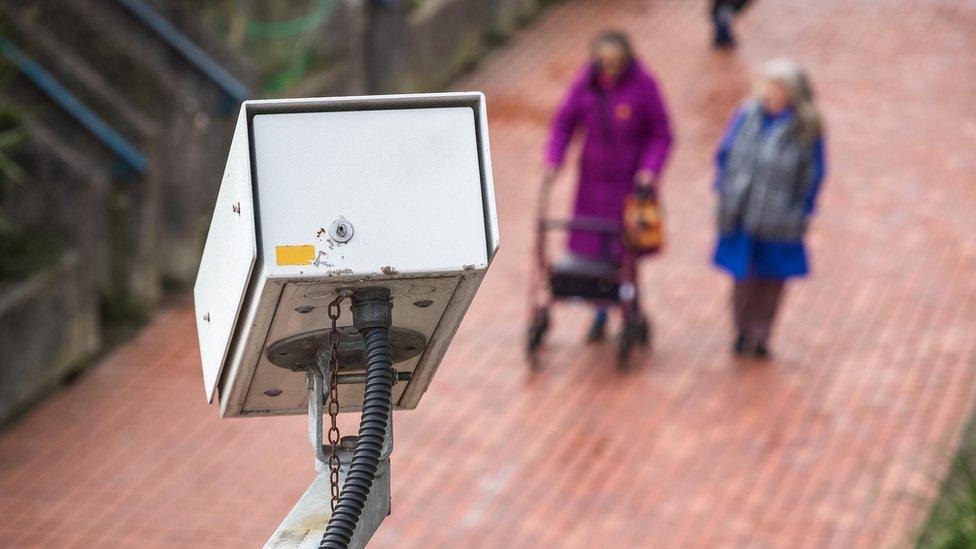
point(770, 165)
point(616, 103)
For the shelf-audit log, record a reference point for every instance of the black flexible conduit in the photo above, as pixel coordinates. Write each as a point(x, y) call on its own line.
point(376, 412)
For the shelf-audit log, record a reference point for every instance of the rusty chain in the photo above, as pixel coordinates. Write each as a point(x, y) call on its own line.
point(334, 336)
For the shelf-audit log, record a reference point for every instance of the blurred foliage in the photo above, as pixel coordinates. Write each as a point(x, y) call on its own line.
point(279, 36)
point(11, 136)
point(10, 172)
point(952, 522)
point(22, 252)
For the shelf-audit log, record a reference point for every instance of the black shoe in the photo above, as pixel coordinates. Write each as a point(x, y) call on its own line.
point(723, 37)
point(739, 347)
point(597, 331)
point(762, 351)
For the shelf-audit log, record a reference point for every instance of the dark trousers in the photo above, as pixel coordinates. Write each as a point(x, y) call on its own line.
point(722, 13)
point(754, 305)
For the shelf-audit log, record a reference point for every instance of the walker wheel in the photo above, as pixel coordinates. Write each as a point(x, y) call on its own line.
point(638, 332)
point(643, 332)
point(625, 344)
point(535, 336)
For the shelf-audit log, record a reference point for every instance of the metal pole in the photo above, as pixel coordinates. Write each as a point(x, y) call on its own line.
point(305, 524)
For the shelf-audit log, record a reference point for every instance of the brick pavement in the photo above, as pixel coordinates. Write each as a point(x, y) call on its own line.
point(840, 441)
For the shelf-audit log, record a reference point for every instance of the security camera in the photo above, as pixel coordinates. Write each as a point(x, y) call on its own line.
point(323, 196)
point(349, 237)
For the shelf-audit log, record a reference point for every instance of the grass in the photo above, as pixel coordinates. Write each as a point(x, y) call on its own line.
point(952, 521)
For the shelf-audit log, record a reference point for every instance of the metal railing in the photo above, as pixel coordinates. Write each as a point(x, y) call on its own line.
point(210, 68)
point(128, 155)
point(74, 107)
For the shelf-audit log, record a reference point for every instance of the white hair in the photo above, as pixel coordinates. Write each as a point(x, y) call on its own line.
point(795, 82)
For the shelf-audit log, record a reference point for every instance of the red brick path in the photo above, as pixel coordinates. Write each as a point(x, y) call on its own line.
point(838, 442)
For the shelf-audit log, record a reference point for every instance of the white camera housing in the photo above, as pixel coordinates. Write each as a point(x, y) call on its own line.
point(320, 196)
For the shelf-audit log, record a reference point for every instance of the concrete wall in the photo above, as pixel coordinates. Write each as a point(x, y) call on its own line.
point(48, 326)
point(446, 37)
point(392, 47)
point(50, 323)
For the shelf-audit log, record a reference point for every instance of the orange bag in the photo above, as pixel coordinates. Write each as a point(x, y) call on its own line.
point(643, 227)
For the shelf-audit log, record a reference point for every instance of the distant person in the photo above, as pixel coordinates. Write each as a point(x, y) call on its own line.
point(770, 165)
point(723, 12)
point(615, 101)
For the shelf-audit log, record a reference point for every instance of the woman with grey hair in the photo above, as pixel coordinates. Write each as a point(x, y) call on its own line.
point(770, 166)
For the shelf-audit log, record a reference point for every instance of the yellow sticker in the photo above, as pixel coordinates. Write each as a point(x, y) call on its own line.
point(294, 255)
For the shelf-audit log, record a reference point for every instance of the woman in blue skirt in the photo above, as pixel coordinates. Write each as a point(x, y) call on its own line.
point(770, 166)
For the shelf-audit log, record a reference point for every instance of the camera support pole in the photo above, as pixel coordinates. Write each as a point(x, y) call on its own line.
point(306, 524)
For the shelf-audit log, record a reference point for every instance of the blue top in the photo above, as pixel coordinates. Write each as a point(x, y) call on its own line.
point(744, 256)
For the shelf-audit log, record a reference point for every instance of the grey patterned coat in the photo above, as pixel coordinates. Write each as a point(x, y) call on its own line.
point(766, 180)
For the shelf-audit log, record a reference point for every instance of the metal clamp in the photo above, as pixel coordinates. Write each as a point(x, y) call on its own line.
point(316, 405)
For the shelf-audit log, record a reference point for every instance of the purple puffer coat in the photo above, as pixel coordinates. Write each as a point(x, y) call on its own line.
point(627, 129)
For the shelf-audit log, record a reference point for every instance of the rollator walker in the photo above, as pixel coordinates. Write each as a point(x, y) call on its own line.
point(605, 281)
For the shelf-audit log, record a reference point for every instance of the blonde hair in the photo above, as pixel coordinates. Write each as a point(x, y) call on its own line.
point(795, 82)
